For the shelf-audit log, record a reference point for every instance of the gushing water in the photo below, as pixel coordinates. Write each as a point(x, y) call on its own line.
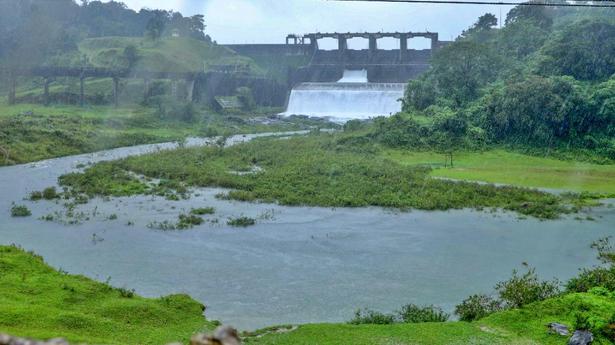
point(352, 97)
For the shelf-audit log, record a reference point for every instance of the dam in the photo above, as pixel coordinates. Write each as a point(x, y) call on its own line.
point(345, 83)
point(352, 97)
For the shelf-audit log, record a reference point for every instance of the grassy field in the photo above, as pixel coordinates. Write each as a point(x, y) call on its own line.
point(38, 301)
point(168, 54)
point(34, 132)
point(499, 166)
point(513, 327)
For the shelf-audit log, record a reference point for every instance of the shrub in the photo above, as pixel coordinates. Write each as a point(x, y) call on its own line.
point(520, 290)
point(20, 211)
point(203, 211)
point(366, 316)
point(50, 193)
point(187, 221)
point(412, 313)
point(241, 222)
point(36, 196)
point(476, 307)
point(597, 277)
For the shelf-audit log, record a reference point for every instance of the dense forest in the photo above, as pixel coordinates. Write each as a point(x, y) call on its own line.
point(34, 32)
point(544, 83)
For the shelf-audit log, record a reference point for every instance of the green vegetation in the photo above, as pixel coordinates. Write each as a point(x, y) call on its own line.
point(41, 302)
point(32, 132)
point(203, 211)
point(38, 301)
point(20, 211)
point(543, 84)
point(318, 170)
point(168, 55)
point(502, 166)
point(242, 222)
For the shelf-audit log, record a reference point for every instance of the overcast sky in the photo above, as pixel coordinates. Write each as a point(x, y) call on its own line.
point(269, 21)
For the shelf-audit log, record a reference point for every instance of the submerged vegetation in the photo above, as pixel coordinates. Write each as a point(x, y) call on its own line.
point(316, 170)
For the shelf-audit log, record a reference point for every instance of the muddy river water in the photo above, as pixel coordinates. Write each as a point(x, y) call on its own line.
point(298, 264)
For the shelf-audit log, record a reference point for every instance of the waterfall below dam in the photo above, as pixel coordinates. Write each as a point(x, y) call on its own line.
point(352, 97)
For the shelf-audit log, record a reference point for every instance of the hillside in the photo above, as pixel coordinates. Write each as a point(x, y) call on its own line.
point(38, 301)
point(172, 54)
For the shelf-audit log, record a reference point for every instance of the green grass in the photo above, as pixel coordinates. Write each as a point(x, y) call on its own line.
point(519, 326)
point(168, 54)
point(500, 166)
point(38, 301)
point(313, 170)
point(31, 132)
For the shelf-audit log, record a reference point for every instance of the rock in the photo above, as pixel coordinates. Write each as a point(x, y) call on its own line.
point(558, 328)
point(223, 335)
point(581, 338)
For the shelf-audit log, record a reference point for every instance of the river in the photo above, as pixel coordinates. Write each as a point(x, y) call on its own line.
point(298, 264)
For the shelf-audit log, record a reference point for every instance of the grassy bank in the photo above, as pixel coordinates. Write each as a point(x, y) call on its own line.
point(500, 166)
point(38, 301)
point(316, 170)
point(32, 132)
point(519, 326)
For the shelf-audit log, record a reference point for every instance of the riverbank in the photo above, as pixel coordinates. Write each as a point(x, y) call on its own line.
point(39, 301)
point(31, 132)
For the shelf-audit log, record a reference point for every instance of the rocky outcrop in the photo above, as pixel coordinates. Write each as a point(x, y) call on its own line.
point(6, 339)
point(581, 338)
point(223, 335)
point(558, 328)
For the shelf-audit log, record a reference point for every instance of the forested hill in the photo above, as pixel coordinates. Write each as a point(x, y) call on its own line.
point(36, 32)
point(544, 82)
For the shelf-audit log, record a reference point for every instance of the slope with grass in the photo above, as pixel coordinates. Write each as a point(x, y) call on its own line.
point(501, 166)
point(32, 132)
point(518, 326)
point(171, 54)
point(38, 301)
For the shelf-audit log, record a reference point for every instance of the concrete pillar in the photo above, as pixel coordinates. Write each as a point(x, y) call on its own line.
point(373, 46)
point(342, 43)
point(46, 83)
point(116, 92)
point(12, 88)
point(403, 47)
point(434, 42)
point(190, 90)
point(82, 90)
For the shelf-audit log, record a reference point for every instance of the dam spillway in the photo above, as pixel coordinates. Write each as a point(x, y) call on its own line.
point(352, 97)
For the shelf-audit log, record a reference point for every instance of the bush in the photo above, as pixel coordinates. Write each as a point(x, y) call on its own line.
point(597, 277)
point(50, 193)
point(203, 211)
point(524, 289)
point(188, 221)
point(241, 222)
point(366, 316)
point(412, 313)
point(477, 307)
point(20, 211)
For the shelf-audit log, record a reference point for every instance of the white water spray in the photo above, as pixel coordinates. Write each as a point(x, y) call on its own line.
point(352, 97)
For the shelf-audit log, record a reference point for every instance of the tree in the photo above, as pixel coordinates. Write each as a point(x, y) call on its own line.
point(461, 69)
point(584, 50)
point(155, 26)
point(541, 15)
point(131, 55)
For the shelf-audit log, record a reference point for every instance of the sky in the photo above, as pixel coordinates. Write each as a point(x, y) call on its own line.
point(269, 21)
